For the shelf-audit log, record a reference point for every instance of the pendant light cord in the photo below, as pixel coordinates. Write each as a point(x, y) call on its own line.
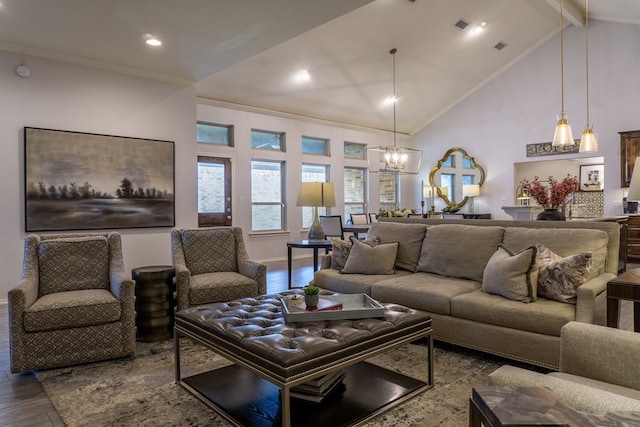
point(561, 60)
point(586, 56)
point(393, 53)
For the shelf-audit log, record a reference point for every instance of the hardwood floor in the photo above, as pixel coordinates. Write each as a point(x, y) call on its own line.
point(23, 402)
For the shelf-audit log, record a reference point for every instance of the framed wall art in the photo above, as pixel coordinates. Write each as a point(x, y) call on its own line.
point(591, 177)
point(83, 181)
point(547, 149)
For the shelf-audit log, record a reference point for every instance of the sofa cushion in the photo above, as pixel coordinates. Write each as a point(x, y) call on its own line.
point(542, 316)
point(600, 385)
point(447, 250)
point(72, 264)
point(558, 277)
point(202, 256)
point(513, 276)
point(366, 259)
point(409, 238)
point(562, 241)
point(422, 291)
point(351, 283)
point(340, 249)
point(72, 309)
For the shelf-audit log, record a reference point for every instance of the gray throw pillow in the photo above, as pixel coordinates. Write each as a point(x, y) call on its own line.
point(365, 259)
point(559, 277)
point(340, 250)
point(512, 275)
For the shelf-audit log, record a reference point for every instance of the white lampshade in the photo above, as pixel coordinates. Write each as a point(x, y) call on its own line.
point(588, 143)
point(634, 187)
point(563, 134)
point(470, 190)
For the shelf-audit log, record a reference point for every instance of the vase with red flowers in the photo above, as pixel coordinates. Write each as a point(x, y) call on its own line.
point(551, 195)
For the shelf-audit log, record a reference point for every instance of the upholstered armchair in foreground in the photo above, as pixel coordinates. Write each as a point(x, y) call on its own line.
point(73, 304)
point(212, 265)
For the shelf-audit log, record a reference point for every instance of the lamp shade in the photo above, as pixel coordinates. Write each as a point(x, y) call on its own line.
point(634, 187)
point(470, 190)
point(316, 194)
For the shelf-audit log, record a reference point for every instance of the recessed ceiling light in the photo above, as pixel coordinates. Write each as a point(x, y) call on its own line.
point(479, 28)
point(389, 100)
point(303, 76)
point(152, 40)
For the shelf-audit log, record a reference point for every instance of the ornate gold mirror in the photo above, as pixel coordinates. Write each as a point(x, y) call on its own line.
point(455, 169)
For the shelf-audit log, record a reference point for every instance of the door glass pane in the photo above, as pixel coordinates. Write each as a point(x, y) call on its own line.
point(210, 187)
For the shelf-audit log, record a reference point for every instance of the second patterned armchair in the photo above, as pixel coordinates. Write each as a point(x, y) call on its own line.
point(212, 265)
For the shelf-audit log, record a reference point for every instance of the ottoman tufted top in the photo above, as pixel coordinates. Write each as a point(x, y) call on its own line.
point(254, 331)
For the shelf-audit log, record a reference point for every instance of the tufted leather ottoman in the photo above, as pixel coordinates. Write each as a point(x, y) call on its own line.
point(252, 333)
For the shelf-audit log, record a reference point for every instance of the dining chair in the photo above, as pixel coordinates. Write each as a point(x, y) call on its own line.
point(359, 219)
point(372, 218)
point(332, 225)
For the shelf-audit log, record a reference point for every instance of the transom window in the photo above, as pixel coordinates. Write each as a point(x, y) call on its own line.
point(317, 146)
point(354, 150)
point(213, 133)
point(267, 140)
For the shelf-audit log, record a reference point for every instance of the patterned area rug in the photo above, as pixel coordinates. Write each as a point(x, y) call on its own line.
point(142, 392)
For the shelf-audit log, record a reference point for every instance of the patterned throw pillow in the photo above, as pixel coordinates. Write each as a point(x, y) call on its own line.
point(559, 277)
point(340, 250)
point(511, 275)
point(366, 259)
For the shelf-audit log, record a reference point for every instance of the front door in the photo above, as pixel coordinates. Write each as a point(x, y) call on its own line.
point(214, 191)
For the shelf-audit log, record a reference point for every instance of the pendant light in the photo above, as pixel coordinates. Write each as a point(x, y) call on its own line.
point(588, 143)
point(563, 134)
point(394, 159)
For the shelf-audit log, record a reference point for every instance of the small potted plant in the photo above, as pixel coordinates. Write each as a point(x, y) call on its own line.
point(311, 295)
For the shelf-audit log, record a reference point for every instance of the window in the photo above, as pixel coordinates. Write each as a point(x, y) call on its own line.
point(388, 190)
point(316, 146)
point(313, 173)
point(266, 140)
point(267, 198)
point(353, 150)
point(354, 191)
point(211, 133)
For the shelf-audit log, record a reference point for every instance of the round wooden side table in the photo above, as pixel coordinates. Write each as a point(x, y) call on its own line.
point(155, 302)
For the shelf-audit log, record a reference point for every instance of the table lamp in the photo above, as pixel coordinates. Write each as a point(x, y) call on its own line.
point(471, 191)
point(316, 194)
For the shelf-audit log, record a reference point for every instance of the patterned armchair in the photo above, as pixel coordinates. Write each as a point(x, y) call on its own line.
point(73, 304)
point(212, 265)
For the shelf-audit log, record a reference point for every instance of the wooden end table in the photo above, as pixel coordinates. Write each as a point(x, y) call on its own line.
point(306, 244)
point(624, 287)
point(155, 302)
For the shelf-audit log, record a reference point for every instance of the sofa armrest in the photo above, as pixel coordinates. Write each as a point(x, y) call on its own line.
point(591, 299)
point(578, 396)
point(20, 298)
point(183, 283)
point(600, 353)
point(255, 270)
point(325, 261)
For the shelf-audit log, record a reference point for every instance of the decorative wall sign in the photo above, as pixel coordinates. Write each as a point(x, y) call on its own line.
point(546, 149)
point(83, 181)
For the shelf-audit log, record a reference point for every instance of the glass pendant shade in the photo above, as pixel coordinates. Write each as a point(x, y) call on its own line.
point(588, 143)
point(563, 134)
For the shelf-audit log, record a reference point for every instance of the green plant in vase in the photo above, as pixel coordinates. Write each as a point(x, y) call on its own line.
point(311, 296)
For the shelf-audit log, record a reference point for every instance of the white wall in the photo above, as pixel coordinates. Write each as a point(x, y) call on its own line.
point(71, 97)
point(519, 107)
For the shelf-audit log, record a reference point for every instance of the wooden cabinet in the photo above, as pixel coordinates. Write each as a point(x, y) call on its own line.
point(629, 150)
point(633, 238)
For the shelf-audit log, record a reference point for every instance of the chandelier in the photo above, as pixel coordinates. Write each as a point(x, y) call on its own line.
point(588, 142)
point(394, 159)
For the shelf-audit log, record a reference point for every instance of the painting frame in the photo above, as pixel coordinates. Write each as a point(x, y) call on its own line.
point(592, 177)
point(89, 181)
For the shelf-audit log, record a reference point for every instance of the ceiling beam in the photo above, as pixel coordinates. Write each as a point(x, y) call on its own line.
point(573, 12)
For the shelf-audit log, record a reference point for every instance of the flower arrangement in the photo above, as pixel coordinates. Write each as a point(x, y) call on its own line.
point(552, 195)
point(397, 213)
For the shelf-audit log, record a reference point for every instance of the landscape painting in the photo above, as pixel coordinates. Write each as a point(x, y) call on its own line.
point(82, 181)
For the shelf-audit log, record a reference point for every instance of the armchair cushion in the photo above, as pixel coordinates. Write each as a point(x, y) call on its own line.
point(201, 256)
point(73, 264)
point(220, 286)
point(72, 309)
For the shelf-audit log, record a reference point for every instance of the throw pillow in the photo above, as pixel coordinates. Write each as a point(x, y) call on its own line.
point(340, 250)
point(366, 259)
point(559, 277)
point(512, 275)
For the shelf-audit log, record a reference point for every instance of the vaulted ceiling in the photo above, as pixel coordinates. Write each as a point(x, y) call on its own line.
point(247, 52)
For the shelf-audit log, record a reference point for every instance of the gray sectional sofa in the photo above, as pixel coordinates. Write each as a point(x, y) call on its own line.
point(440, 267)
